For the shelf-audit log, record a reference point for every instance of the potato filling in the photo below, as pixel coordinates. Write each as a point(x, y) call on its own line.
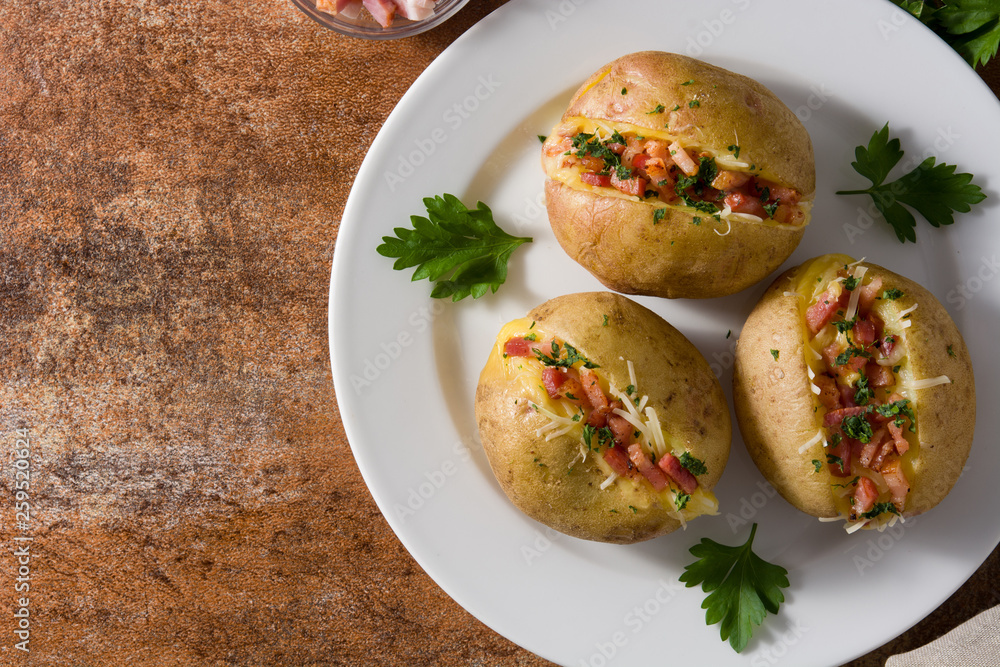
point(615, 425)
point(856, 355)
point(661, 171)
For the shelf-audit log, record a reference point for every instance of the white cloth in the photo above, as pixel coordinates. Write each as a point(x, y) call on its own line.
point(975, 643)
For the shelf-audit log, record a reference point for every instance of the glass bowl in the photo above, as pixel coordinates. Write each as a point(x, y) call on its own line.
point(365, 27)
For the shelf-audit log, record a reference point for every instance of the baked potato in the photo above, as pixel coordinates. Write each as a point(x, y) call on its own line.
point(854, 392)
point(671, 177)
point(601, 420)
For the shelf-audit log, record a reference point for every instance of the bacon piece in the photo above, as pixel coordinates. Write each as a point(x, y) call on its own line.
point(682, 159)
point(644, 463)
point(597, 180)
point(853, 365)
point(631, 186)
point(741, 202)
point(524, 347)
point(843, 450)
point(834, 417)
point(621, 429)
point(899, 440)
point(870, 449)
point(671, 465)
point(867, 295)
point(727, 179)
point(895, 478)
point(865, 495)
point(879, 376)
point(863, 333)
point(829, 394)
point(619, 461)
point(592, 389)
point(382, 11)
point(552, 380)
point(820, 313)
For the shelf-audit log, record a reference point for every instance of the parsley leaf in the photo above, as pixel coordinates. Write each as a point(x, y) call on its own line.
point(971, 27)
point(462, 251)
point(742, 587)
point(934, 190)
point(880, 508)
point(694, 465)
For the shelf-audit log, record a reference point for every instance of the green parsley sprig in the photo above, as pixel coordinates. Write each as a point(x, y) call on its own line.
point(461, 250)
point(971, 27)
point(934, 190)
point(742, 587)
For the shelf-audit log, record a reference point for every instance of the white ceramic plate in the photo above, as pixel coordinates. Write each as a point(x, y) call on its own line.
point(405, 366)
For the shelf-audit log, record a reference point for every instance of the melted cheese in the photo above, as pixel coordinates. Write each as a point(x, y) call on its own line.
point(564, 419)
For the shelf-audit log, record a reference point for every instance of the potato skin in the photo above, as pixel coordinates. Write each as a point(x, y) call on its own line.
point(669, 369)
point(616, 239)
point(774, 403)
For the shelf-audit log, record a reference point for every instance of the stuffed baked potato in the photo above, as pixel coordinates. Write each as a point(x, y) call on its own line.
point(601, 420)
point(854, 392)
point(668, 176)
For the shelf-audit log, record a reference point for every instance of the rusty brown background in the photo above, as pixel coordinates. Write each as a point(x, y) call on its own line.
point(172, 174)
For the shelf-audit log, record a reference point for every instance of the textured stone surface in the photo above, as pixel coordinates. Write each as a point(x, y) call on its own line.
point(172, 174)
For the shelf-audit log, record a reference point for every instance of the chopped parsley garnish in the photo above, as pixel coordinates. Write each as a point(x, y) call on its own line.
point(857, 427)
point(688, 82)
point(557, 360)
point(843, 326)
point(817, 464)
point(735, 150)
point(834, 460)
point(659, 108)
point(880, 508)
point(532, 336)
point(850, 282)
point(605, 322)
point(658, 215)
point(542, 138)
point(845, 357)
point(588, 435)
point(770, 209)
point(694, 103)
point(681, 500)
point(624, 91)
point(862, 392)
point(742, 587)
point(891, 294)
point(694, 465)
point(898, 409)
point(462, 251)
point(775, 353)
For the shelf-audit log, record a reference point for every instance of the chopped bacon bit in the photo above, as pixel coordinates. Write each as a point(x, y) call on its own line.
point(619, 461)
point(899, 486)
point(523, 347)
point(620, 427)
point(864, 333)
point(867, 295)
point(829, 395)
point(885, 450)
point(598, 180)
point(682, 159)
point(631, 186)
point(552, 379)
point(865, 495)
point(871, 448)
point(887, 345)
point(645, 465)
point(820, 313)
point(843, 451)
point(898, 439)
point(741, 202)
point(879, 376)
point(730, 180)
point(592, 388)
point(853, 365)
point(671, 465)
point(834, 417)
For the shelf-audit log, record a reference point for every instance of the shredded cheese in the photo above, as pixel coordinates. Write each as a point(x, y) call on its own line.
point(609, 481)
point(812, 441)
point(928, 382)
point(852, 302)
